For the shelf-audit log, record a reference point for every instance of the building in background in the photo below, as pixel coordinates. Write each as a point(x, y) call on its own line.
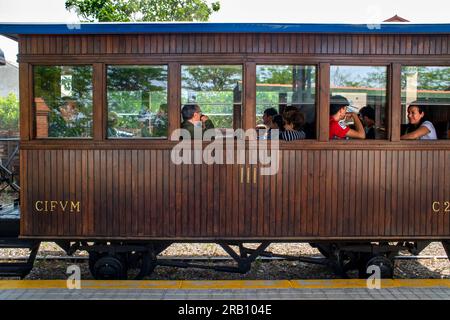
point(396, 18)
point(2, 58)
point(9, 78)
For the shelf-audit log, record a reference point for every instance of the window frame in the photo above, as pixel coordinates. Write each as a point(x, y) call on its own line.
point(215, 63)
point(417, 63)
point(388, 102)
point(106, 109)
point(32, 113)
point(394, 64)
point(316, 95)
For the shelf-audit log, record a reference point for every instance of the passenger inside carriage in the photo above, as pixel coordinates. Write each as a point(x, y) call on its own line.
point(338, 113)
point(112, 131)
point(268, 118)
point(193, 118)
point(418, 127)
point(293, 124)
point(367, 116)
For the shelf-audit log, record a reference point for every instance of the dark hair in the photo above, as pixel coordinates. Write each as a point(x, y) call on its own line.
point(295, 117)
point(420, 106)
point(278, 119)
point(367, 111)
point(188, 110)
point(271, 112)
point(290, 107)
point(337, 103)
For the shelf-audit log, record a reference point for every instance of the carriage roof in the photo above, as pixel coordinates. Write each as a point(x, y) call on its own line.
point(12, 30)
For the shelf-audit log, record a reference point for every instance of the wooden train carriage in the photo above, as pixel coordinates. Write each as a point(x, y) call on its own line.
point(97, 185)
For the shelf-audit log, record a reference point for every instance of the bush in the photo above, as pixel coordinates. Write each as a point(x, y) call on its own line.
point(9, 113)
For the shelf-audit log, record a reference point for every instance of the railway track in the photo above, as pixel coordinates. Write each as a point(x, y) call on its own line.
point(195, 258)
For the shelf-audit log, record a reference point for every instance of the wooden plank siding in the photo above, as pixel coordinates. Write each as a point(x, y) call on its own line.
point(305, 44)
point(318, 194)
point(129, 189)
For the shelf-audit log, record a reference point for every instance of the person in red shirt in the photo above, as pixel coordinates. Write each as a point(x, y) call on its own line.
point(338, 112)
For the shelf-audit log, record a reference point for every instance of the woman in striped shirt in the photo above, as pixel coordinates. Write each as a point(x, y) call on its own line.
point(293, 123)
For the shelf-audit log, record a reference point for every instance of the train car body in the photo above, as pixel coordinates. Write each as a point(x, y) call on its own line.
point(102, 189)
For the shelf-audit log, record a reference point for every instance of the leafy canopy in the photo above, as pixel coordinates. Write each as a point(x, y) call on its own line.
point(142, 10)
point(9, 112)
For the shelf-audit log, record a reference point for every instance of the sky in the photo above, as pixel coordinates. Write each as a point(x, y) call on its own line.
point(294, 11)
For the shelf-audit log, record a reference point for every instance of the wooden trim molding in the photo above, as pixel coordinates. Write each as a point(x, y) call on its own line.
point(395, 104)
point(100, 108)
point(249, 112)
point(25, 97)
point(174, 98)
point(324, 102)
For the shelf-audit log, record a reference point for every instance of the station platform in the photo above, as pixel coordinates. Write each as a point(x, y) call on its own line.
point(354, 289)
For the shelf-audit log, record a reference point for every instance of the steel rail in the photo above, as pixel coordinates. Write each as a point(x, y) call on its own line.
point(199, 258)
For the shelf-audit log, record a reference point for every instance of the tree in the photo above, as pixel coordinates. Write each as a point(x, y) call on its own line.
point(209, 78)
point(9, 112)
point(142, 10)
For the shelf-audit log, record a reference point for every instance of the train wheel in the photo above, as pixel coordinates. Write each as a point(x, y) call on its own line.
point(342, 262)
point(108, 267)
point(140, 264)
point(384, 264)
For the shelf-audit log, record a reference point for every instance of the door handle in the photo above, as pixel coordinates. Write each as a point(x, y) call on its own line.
point(254, 175)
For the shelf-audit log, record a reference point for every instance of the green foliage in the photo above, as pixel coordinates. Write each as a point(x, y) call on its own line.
point(50, 83)
point(142, 10)
point(275, 74)
point(428, 78)
point(369, 77)
point(137, 95)
point(9, 112)
point(220, 78)
point(213, 89)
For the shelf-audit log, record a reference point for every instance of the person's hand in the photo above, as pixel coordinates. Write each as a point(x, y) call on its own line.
point(349, 116)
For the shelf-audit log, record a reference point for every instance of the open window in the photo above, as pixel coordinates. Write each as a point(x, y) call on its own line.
point(365, 89)
point(280, 88)
point(425, 102)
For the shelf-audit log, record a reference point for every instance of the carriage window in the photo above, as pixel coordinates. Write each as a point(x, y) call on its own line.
point(216, 90)
point(364, 87)
point(137, 101)
point(425, 103)
point(63, 101)
point(279, 88)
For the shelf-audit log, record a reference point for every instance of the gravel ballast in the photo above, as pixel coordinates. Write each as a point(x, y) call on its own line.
point(261, 270)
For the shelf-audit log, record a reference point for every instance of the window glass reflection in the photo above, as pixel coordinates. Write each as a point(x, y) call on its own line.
point(215, 90)
point(63, 101)
point(137, 101)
